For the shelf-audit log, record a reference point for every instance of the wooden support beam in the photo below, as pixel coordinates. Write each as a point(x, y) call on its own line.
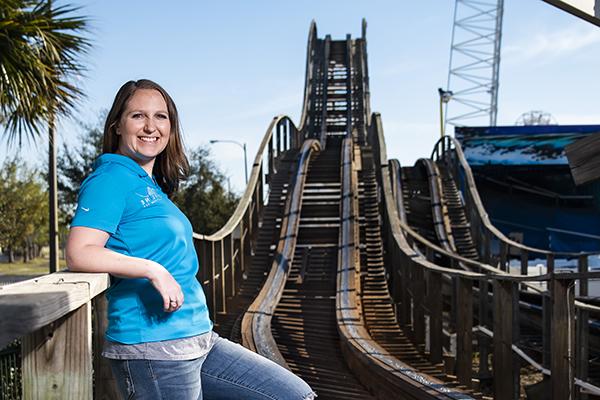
point(418, 303)
point(105, 386)
point(57, 359)
point(483, 341)
point(434, 293)
point(503, 331)
point(583, 331)
point(563, 335)
point(464, 332)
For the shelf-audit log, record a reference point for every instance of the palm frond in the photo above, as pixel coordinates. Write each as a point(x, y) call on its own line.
point(41, 50)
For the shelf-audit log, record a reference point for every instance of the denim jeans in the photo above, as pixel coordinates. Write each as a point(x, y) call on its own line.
point(228, 371)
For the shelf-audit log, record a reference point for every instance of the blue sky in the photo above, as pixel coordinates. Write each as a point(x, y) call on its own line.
point(232, 65)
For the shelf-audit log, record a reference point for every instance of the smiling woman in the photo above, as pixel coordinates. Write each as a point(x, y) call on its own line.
point(159, 338)
point(144, 128)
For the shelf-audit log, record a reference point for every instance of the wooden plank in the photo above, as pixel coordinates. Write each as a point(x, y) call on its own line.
point(57, 359)
point(105, 386)
point(32, 304)
point(583, 159)
point(483, 341)
point(434, 294)
point(583, 330)
point(583, 349)
point(419, 300)
point(503, 357)
point(563, 334)
point(546, 328)
point(464, 332)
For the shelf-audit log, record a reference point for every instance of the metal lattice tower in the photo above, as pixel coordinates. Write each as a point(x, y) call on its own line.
point(475, 62)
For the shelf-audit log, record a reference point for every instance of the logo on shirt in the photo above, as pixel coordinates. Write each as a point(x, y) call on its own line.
point(150, 198)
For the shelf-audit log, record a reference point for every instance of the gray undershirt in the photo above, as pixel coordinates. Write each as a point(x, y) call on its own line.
point(176, 349)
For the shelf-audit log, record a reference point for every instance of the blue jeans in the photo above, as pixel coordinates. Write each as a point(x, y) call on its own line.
point(228, 371)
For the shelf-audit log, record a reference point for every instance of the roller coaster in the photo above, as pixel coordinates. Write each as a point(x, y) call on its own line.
point(372, 280)
point(370, 273)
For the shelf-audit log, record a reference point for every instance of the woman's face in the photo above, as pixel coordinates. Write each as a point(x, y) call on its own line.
point(144, 128)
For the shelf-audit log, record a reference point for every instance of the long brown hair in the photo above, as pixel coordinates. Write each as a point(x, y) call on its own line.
point(171, 165)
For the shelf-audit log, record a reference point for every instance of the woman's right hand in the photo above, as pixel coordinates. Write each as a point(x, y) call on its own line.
point(167, 286)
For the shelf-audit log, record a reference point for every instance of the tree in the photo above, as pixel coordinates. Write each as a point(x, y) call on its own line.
point(23, 209)
point(202, 197)
point(75, 163)
point(40, 51)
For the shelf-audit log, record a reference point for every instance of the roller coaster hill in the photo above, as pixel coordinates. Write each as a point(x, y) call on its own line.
point(368, 279)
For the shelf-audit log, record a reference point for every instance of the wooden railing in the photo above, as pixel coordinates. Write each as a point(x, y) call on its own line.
point(496, 249)
point(225, 255)
point(52, 315)
point(375, 367)
point(416, 285)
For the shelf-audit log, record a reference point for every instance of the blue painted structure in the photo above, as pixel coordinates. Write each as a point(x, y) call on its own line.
point(525, 183)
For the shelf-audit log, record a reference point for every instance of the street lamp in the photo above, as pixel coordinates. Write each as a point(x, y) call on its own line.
point(243, 146)
point(445, 96)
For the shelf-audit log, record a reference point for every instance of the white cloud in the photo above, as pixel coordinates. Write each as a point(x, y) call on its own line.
point(551, 45)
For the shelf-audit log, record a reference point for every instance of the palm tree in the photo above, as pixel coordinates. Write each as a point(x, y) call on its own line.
point(40, 51)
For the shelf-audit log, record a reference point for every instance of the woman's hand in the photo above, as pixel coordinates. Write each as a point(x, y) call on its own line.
point(167, 286)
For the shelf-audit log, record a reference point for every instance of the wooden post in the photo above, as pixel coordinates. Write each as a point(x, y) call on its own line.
point(464, 332)
point(105, 386)
point(546, 327)
point(484, 341)
point(418, 303)
point(229, 276)
point(563, 338)
point(278, 138)
point(434, 294)
point(549, 263)
point(547, 314)
point(212, 281)
point(524, 265)
point(405, 306)
point(271, 161)
point(57, 359)
point(583, 330)
point(503, 256)
point(219, 277)
point(504, 387)
point(246, 246)
point(487, 254)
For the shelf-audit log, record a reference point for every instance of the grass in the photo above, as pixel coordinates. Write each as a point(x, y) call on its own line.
point(37, 266)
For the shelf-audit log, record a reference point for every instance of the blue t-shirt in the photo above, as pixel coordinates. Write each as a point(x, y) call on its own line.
point(120, 198)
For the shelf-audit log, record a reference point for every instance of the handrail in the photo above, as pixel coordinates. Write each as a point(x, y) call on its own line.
point(442, 149)
point(441, 226)
point(29, 305)
point(52, 317)
point(256, 324)
point(308, 74)
point(383, 373)
point(324, 84)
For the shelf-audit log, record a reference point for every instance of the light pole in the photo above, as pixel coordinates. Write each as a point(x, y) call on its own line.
point(243, 146)
point(445, 96)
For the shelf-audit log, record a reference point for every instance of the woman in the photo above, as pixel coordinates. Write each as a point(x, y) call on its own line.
point(159, 338)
